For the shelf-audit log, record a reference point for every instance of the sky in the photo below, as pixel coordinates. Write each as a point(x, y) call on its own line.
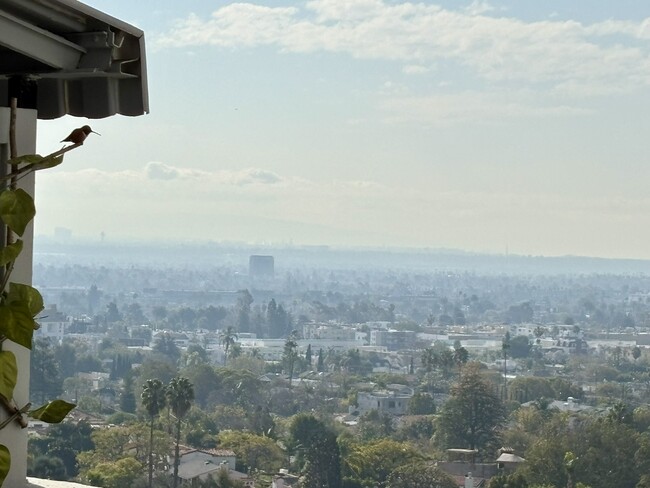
point(492, 126)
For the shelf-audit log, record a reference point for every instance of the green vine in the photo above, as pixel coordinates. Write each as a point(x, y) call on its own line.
point(20, 304)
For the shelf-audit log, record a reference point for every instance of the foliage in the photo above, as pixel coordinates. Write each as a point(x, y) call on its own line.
point(418, 476)
point(20, 303)
point(48, 467)
point(471, 416)
point(253, 451)
point(179, 394)
point(318, 451)
point(375, 425)
point(118, 474)
point(371, 463)
point(421, 404)
point(153, 400)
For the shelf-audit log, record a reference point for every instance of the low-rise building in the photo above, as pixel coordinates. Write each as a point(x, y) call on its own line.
point(394, 400)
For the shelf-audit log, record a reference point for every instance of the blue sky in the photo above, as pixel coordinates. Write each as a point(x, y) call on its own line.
point(479, 125)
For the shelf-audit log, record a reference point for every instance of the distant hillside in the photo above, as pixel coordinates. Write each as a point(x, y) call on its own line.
point(224, 254)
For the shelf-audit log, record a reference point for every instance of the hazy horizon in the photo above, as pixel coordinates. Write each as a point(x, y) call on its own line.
point(486, 126)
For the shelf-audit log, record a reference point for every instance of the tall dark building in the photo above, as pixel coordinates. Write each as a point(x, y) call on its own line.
point(261, 266)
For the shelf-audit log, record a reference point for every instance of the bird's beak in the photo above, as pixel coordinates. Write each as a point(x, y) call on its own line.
point(95, 132)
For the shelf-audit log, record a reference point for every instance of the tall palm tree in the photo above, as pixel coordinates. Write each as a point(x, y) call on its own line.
point(153, 400)
point(179, 394)
point(430, 360)
point(227, 338)
point(461, 356)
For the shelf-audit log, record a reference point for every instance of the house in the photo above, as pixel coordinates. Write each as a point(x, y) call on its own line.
point(393, 400)
point(200, 464)
point(285, 480)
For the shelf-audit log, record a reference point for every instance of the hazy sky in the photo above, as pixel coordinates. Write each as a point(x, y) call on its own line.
point(520, 125)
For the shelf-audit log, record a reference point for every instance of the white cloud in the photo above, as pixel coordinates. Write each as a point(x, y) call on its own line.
point(496, 48)
point(478, 7)
point(414, 69)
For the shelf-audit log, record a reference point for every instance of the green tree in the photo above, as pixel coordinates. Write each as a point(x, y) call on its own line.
point(419, 476)
point(45, 379)
point(166, 346)
point(290, 354)
point(127, 397)
point(371, 463)
point(48, 467)
point(153, 400)
point(421, 404)
point(520, 347)
point(254, 452)
point(179, 395)
point(514, 480)
point(118, 474)
point(318, 450)
point(227, 339)
point(472, 414)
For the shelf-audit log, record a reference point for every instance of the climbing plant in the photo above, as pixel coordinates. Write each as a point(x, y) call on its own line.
point(20, 304)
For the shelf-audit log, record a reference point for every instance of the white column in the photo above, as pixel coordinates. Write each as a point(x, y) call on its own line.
point(13, 436)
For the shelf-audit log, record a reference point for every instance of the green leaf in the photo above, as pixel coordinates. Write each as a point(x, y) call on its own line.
point(5, 463)
point(17, 209)
point(8, 374)
point(26, 159)
point(25, 297)
point(10, 252)
point(52, 412)
point(17, 324)
point(48, 162)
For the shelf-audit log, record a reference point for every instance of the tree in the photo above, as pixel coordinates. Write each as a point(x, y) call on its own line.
point(461, 356)
point(127, 397)
point(419, 476)
point(179, 395)
point(153, 400)
point(48, 467)
point(227, 339)
point(45, 376)
point(520, 347)
point(244, 302)
point(473, 412)
point(421, 404)
point(253, 451)
point(308, 355)
point(320, 451)
point(320, 363)
point(430, 360)
point(119, 474)
point(290, 354)
point(112, 313)
point(370, 464)
point(166, 346)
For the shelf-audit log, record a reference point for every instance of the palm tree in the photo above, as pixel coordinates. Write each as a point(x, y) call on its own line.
point(179, 394)
point(290, 354)
point(153, 400)
point(227, 338)
point(430, 360)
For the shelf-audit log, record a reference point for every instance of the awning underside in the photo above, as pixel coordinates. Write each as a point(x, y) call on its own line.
point(85, 63)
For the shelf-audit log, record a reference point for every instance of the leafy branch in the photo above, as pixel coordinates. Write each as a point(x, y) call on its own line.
point(19, 303)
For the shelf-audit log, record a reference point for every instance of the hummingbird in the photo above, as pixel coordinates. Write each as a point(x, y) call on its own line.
point(78, 136)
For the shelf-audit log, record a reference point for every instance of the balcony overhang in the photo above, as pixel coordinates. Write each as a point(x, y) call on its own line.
point(79, 60)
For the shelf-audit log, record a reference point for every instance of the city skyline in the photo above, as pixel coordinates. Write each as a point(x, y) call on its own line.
point(483, 126)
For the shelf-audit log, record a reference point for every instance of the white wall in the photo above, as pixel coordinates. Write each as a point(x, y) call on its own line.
point(13, 436)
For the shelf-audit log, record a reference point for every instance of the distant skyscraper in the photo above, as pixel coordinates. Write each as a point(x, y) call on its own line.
point(261, 266)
